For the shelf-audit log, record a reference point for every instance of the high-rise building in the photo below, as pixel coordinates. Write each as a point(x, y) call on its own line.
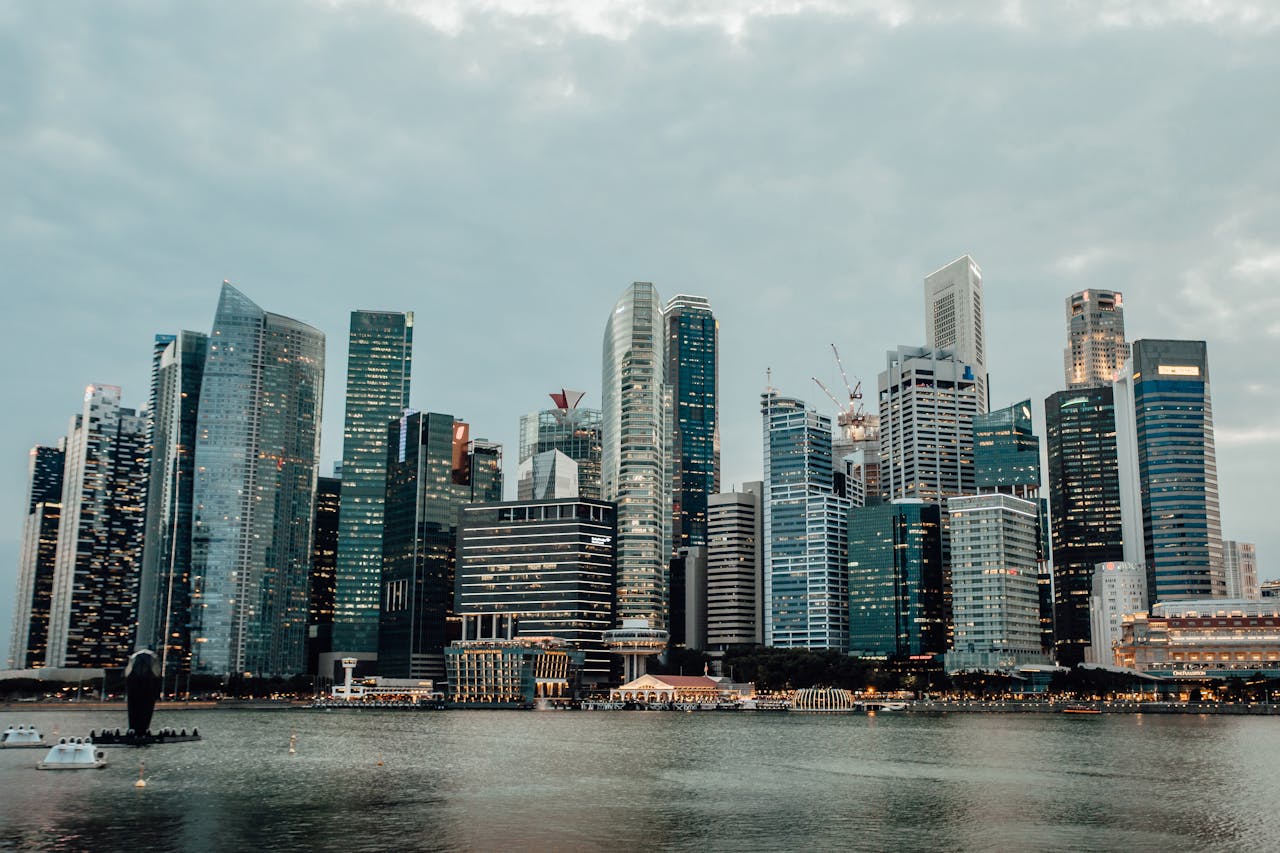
point(94, 609)
point(379, 362)
point(433, 470)
point(895, 580)
point(636, 459)
point(689, 597)
point(806, 573)
point(735, 582)
point(324, 569)
point(573, 430)
point(1119, 590)
point(37, 558)
point(256, 463)
point(928, 399)
point(547, 476)
point(953, 319)
point(1240, 564)
point(545, 566)
point(693, 370)
point(855, 449)
point(164, 596)
point(1096, 349)
point(995, 596)
point(1168, 472)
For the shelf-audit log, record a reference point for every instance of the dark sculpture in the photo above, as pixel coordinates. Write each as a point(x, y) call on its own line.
point(142, 688)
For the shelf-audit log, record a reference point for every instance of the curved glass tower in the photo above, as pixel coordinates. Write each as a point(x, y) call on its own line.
point(257, 449)
point(636, 458)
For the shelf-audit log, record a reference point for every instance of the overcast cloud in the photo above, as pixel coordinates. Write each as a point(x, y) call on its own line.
point(505, 169)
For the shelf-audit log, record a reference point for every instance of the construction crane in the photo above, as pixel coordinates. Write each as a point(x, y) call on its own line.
point(851, 413)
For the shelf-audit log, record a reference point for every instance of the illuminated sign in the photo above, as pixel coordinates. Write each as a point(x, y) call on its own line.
point(1178, 370)
point(601, 540)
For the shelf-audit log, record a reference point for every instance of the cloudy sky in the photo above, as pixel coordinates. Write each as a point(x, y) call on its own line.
point(505, 169)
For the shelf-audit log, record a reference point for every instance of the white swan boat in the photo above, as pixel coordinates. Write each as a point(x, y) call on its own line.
point(21, 737)
point(74, 754)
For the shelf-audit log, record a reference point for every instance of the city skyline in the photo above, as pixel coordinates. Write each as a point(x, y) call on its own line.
point(1204, 271)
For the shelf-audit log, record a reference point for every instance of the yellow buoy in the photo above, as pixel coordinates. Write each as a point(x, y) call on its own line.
point(379, 759)
point(141, 783)
point(293, 744)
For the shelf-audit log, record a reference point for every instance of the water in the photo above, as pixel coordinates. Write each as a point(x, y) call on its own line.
point(656, 780)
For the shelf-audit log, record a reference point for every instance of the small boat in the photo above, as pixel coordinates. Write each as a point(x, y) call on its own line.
point(1080, 709)
point(22, 737)
point(74, 754)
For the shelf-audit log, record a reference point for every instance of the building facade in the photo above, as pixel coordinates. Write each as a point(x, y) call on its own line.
point(693, 370)
point(1084, 508)
point(1240, 564)
point(735, 583)
point(1096, 349)
point(547, 567)
point(256, 464)
point(164, 596)
point(575, 431)
point(37, 558)
point(1168, 470)
point(324, 567)
point(547, 476)
point(636, 456)
point(379, 364)
point(1206, 639)
point(806, 574)
point(896, 608)
point(954, 319)
point(94, 606)
point(1119, 591)
point(689, 597)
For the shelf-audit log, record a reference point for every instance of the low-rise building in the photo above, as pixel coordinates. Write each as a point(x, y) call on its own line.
point(1208, 638)
point(511, 673)
point(673, 688)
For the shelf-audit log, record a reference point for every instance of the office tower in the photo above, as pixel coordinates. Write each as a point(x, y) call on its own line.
point(547, 476)
point(954, 320)
point(689, 597)
point(735, 558)
point(257, 452)
point(855, 449)
point(995, 598)
point(37, 558)
point(1240, 565)
point(636, 458)
point(379, 361)
point(545, 566)
point(574, 431)
point(928, 399)
point(693, 371)
point(324, 570)
point(805, 530)
point(94, 609)
point(1096, 350)
point(896, 607)
point(164, 595)
point(433, 470)
point(1119, 590)
point(1168, 473)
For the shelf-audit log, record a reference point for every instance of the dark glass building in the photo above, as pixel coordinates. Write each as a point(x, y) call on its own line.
point(379, 360)
point(895, 581)
point(324, 559)
point(693, 373)
point(1084, 507)
point(28, 643)
point(575, 431)
point(164, 596)
point(1006, 453)
point(433, 470)
point(548, 564)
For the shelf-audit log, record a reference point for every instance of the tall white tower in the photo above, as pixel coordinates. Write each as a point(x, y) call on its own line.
point(954, 320)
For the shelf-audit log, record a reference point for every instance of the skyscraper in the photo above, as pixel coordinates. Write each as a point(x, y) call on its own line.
point(1240, 561)
point(571, 429)
point(164, 597)
point(896, 607)
point(324, 567)
point(806, 532)
point(636, 458)
point(1119, 590)
point(257, 450)
point(1096, 349)
point(379, 360)
point(547, 476)
point(1168, 472)
point(433, 470)
point(954, 318)
point(735, 583)
point(928, 399)
point(37, 558)
point(693, 370)
point(93, 613)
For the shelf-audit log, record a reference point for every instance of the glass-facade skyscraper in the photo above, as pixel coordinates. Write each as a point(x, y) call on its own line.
point(693, 374)
point(379, 360)
point(433, 470)
point(1168, 470)
point(954, 318)
point(1006, 453)
point(164, 598)
point(806, 572)
point(1096, 349)
point(257, 451)
point(636, 458)
point(573, 430)
point(37, 558)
